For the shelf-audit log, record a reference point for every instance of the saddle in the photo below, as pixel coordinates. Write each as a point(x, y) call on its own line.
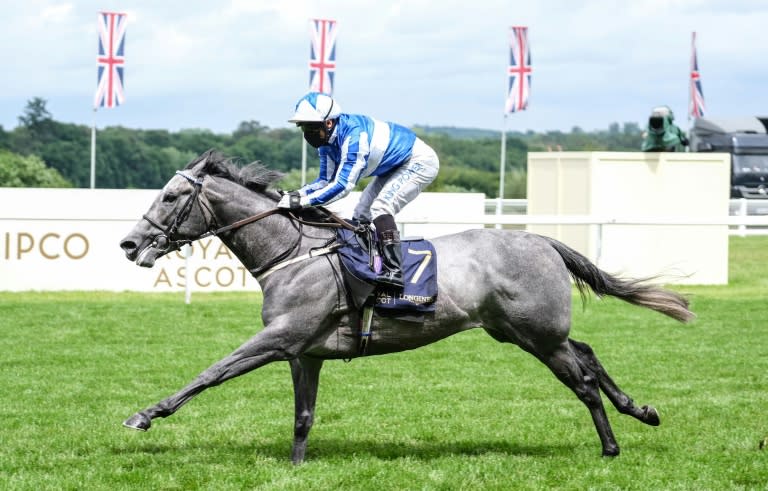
point(361, 265)
point(357, 248)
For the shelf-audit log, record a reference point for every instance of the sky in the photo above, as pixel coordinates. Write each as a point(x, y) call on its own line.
point(214, 64)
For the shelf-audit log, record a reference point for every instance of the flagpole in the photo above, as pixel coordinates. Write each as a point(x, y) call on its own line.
point(518, 86)
point(322, 66)
point(690, 74)
point(303, 162)
point(502, 167)
point(93, 151)
point(110, 62)
point(691, 89)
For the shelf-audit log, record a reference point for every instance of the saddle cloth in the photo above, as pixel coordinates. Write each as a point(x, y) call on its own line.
point(419, 274)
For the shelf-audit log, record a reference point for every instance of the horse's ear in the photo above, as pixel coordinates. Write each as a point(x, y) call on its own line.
point(208, 154)
point(208, 162)
point(200, 159)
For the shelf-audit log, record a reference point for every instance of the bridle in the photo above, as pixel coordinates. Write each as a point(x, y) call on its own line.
point(164, 240)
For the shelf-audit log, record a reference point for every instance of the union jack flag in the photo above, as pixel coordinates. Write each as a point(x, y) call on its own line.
point(696, 106)
point(322, 56)
point(111, 60)
point(519, 70)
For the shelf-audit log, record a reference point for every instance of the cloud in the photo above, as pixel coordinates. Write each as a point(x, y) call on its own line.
point(417, 61)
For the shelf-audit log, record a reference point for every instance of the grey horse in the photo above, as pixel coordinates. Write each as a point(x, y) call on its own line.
point(514, 285)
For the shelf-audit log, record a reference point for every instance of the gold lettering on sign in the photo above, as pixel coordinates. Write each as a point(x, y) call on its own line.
point(229, 281)
point(203, 277)
point(182, 272)
point(20, 249)
point(67, 250)
point(42, 246)
point(197, 276)
point(162, 278)
point(206, 250)
point(223, 251)
point(204, 246)
point(48, 245)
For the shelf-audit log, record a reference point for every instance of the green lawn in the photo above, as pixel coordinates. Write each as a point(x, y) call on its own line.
point(466, 413)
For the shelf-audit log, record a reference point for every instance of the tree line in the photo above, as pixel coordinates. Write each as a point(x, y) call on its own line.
point(43, 152)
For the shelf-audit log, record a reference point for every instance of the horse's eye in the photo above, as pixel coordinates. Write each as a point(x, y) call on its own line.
point(169, 198)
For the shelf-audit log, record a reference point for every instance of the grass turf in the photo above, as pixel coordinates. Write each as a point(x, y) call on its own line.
point(465, 413)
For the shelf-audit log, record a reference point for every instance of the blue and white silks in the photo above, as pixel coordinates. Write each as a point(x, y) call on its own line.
point(360, 146)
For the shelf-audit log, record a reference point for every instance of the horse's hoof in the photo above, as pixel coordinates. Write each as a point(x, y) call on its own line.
point(138, 421)
point(651, 416)
point(611, 452)
point(298, 451)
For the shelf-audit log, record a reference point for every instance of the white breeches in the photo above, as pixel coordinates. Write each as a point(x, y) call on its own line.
point(388, 194)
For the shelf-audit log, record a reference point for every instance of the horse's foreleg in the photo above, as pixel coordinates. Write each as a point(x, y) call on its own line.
point(564, 364)
point(267, 346)
point(306, 375)
point(621, 401)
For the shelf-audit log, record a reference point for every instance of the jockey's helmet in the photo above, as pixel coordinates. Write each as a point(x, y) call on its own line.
point(315, 107)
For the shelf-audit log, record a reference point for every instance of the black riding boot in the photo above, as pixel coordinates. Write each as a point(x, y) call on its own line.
point(392, 259)
point(391, 255)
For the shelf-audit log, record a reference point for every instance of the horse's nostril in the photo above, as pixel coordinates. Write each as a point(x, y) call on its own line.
point(128, 245)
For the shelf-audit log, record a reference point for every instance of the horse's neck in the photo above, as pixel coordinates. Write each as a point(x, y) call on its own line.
point(259, 243)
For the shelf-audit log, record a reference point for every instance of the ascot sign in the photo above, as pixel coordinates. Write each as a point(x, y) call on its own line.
point(68, 239)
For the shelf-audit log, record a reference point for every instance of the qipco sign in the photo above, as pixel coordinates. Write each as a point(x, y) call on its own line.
point(20, 246)
point(69, 239)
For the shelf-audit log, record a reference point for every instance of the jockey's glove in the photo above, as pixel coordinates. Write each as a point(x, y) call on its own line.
point(291, 201)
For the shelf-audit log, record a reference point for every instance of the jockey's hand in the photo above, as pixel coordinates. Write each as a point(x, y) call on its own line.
point(291, 201)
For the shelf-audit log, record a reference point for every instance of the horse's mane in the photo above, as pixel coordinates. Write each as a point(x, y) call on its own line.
point(253, 176)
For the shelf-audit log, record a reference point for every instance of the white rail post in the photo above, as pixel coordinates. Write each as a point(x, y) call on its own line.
point(188, 280)
point(598, 243)
point(742, 213)
point(499, 207)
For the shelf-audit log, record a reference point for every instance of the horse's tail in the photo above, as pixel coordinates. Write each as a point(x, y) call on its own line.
point(635, 291)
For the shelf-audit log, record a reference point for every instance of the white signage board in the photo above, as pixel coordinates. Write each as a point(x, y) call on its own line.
point(638, 184)
point(69, 239)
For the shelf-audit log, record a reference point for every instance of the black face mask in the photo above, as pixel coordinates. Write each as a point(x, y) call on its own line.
point(317, 134)
point(315, 139)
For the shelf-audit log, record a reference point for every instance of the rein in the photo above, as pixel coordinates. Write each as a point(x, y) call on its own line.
point(238, 224)
point(164, 241)
point(339, 222)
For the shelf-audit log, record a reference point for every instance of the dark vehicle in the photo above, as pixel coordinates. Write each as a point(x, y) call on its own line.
point(746, 139)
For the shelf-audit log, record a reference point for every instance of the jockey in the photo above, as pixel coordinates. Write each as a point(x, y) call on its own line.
point(351, 147)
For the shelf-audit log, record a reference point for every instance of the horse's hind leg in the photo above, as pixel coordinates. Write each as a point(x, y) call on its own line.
point(623, 403)
point(306, 375)
point(565, 365)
